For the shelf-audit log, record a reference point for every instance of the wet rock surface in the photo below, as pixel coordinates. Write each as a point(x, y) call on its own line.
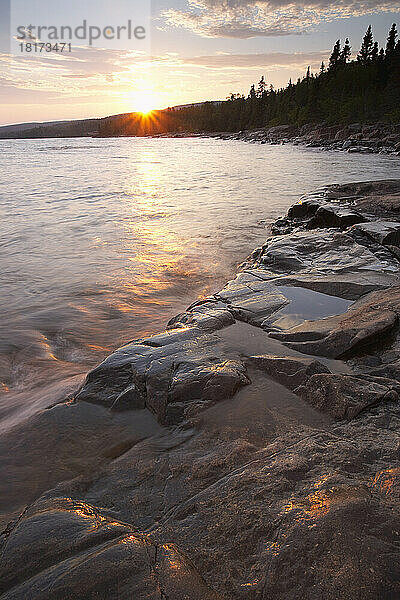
point(355, 138)
point(250, 451)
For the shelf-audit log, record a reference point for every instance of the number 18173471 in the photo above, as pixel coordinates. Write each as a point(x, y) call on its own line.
point(45, 47)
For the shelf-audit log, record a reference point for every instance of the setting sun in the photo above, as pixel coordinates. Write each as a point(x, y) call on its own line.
point(143, 103)
point(145, 108)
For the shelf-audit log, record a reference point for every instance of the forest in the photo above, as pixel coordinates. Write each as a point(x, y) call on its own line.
point(364, 89)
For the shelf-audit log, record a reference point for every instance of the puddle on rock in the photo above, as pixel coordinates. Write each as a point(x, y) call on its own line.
point(305, 305)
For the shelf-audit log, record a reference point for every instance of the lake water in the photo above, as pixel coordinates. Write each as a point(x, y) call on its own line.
point(103, 241)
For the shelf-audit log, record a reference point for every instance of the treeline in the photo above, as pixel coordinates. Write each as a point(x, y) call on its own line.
point(365, 89)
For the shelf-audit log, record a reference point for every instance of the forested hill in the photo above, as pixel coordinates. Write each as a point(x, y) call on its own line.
point(365, 89)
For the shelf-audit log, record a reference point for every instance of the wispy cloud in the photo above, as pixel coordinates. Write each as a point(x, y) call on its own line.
point(258, 61)
point(252, 18)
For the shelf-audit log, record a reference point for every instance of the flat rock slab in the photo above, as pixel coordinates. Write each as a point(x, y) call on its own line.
point(350, 286)
point(80, 553)
point(383, 232)
point(322, 253)
point(378, 198)
point(252, 299)
point(291, 372)
point(344, 396)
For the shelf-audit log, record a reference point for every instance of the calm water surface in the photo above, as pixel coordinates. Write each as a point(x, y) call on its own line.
point(102, 241)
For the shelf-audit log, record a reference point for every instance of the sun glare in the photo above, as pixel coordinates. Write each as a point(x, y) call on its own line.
point(144, 109)
point(144, 104)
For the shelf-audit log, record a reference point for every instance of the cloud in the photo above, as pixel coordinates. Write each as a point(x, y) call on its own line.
point(252, 18)
point(257, 61)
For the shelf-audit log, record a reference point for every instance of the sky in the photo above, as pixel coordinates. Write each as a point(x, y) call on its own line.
point(194, 50)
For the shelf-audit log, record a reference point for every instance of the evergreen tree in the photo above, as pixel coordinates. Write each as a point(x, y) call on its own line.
point(322, 69)
point(345, 53)
point(365, 54)
point(252, 92)
point(335, 56)
point(375, 52)
point(391, 41)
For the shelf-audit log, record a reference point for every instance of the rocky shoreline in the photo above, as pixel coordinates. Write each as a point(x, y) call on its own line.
point(250, 451)
point(360, 138)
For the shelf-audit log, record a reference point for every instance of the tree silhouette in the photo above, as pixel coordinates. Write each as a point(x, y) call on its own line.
point(365, 54)
point(345, 54)
point(391, 41)
point(335, 56)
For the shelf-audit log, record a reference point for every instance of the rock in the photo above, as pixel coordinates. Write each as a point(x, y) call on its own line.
point(331, 215)
point(291, 372)
point(368, 321)
point(344, 285)
point(340, 396)
point(190, 385)
point(383, 232)
point(207, 314)
point(80, 553)
point(344, 396)
point(332, 251)
point(251, 298)
point(375, 198)
point(360, 150)
point(168, 374)
point(304, 209)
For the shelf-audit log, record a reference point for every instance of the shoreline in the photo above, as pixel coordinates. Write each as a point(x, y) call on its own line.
point(248, 447)
point(354, 138)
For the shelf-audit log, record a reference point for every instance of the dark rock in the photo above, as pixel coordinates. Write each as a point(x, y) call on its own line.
point(82, 554)
point(170, 374)
point(291, 372)
point(331, 215)
point(383, 232)
point(210, 315)
point(332, 251)
point(304, 209)
point(343, 285)
point(191, 385)
point(251, 298)
point(344, 396)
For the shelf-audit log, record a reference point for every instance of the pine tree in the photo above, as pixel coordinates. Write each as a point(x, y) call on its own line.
point(345, 53)
point(322, 69)
point(391, 41)
point(365, 54)
point(375, 52)
point(262, 86)
point(252, 93)
point(335, 56)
